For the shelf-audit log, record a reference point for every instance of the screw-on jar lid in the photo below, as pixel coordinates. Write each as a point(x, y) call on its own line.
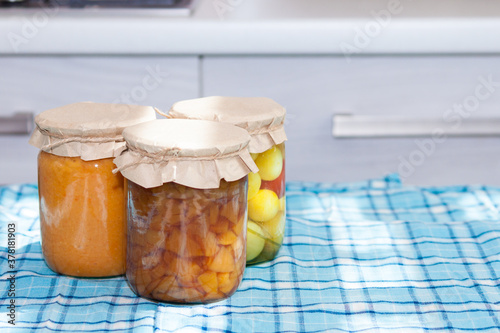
point(194, 153)
point(89, 130)
point(262, 117)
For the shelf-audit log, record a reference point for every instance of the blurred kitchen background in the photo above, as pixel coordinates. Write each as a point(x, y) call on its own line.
point(371, 87)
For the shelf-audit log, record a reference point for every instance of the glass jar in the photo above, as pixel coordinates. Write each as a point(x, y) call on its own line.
point(263, 118)
point(186, 209)
point(266, 205)
point(82, 216)
point(82, 203)
point(186, 245)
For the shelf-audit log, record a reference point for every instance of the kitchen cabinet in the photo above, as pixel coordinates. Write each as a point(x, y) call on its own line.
point(38, 83)
point(313, 88)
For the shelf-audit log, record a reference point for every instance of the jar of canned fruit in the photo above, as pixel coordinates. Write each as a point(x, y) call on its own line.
point(82, 218)
point(263, 118)
point(186, 209)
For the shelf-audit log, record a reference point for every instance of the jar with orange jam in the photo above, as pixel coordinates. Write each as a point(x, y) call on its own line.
point(186, 209)
point(82, 203)
point(263, 118)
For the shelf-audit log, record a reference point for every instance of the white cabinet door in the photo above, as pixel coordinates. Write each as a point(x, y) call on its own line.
point(314, 88)
point(39, 83)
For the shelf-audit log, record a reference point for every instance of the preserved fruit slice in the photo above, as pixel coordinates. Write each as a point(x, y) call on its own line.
point(268, 208)
point(223, 261)
point(264, 206)
point(270, 163)
point(277, 185)
point(254, 182)
point(255, 241)
point(275, 227)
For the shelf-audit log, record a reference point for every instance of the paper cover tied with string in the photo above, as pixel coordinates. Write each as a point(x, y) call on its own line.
point(89, 130)
point(192, 153)
point(261, 116)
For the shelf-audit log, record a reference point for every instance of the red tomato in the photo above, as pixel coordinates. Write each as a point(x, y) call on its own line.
point(277, 185)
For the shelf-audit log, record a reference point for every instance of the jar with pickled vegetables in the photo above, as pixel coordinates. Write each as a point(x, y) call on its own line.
point(82, 216)
point(263, 118)
point(186, 209)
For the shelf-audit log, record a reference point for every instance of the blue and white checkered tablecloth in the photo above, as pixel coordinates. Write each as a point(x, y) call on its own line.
point(372, 256)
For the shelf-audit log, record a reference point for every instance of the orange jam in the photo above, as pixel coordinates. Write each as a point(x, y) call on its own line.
point(82, 216)
point(186, 245)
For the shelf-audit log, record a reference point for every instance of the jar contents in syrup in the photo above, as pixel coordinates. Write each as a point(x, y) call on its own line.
point(266, 205)
point(186, 245)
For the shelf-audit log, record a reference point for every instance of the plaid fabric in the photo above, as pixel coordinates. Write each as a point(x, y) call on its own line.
point(361, 257)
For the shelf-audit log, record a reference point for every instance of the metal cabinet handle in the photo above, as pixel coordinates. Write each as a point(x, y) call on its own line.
point(18, 123)
point(359, 126)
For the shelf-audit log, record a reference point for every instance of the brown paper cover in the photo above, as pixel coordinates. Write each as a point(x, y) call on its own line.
point(262, 117)
point(193, 153)
point(89, 130)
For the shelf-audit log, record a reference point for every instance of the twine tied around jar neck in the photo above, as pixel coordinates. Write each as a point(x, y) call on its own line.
point(160, 157)
point(261, 130)
point(265, 129)
point(161, 113)
point(63, 139)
